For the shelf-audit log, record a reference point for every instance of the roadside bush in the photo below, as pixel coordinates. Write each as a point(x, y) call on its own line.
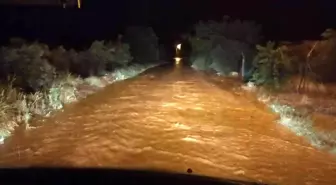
point(222, 46)
point(16, 42)
point(9, 99)
point(61, 59)
point(100, 58)
point(18, 107)
point(200, 57)
point(163, 54)
point(122, 55)
point(30, 66)
point(319, 55)
point(243, 31)
point(143, 43)
point(44, 74)
point(311, 62)
point(35, 80)
point(270, 65)
point(228, 55)
point(35, 66)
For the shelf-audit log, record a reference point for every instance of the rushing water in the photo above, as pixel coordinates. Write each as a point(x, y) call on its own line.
point(173, 119)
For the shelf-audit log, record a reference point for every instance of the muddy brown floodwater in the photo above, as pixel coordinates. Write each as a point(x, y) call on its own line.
point(173, 119)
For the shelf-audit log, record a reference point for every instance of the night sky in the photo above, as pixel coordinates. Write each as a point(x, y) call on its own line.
point(103, 19)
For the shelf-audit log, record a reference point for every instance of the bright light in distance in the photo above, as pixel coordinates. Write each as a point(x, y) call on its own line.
point(177, 60)
point(79, 3)
point(178, 47)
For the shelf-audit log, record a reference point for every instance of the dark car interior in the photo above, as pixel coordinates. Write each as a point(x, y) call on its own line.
point(64, 176)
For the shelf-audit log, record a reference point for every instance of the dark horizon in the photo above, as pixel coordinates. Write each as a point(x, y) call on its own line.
point(281, 20)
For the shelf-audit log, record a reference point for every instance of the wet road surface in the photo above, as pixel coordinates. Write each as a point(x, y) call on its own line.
point(173, 119)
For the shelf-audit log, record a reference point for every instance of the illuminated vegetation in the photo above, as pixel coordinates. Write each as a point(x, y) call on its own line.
point(270, 65)
point(220, 46)
point(37, 80)
point(289, 77)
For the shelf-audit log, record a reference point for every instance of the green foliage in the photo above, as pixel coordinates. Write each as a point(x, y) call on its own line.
point(234, 37)
point(143, 43)
point(163, 53)
point(8, 103)
point(200, 56)
point(323, 56)
point(122, 54)
point(269, 64)
point(200, 45)
point(315, 59)
point(16, 42)
point(329, 34)
point(61, 59)
point(244, 31)
point(45, 73)
point(35, 67)
point(102, 53)
point(102, 56)
point(226, 56)
point(28, 63)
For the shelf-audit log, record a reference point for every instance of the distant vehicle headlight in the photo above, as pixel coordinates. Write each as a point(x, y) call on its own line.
point(79, 3)
point(178, 47)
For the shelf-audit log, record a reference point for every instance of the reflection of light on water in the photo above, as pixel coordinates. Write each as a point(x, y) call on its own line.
point(2, 140)
point(168, 104)
point(181, 126)
point(190, 139)
point(177, 60)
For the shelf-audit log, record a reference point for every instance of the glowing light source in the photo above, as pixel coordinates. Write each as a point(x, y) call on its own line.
point(177, 54)
point(79, 3)
point(178, 47)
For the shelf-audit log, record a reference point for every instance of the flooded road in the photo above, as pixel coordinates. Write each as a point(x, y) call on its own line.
point(174, 119)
